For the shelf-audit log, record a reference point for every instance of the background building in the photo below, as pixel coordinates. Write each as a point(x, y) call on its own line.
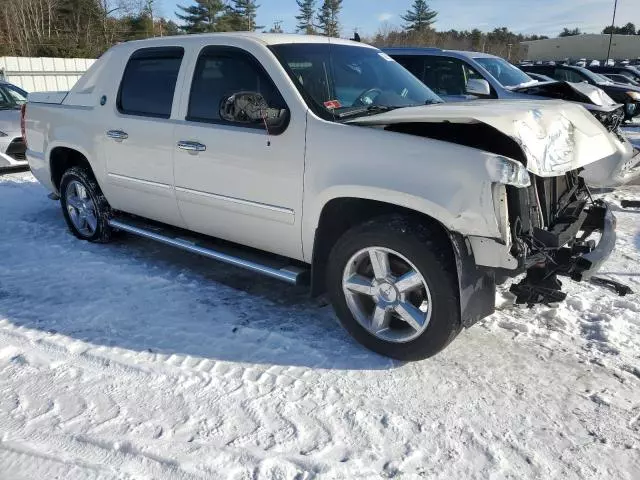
point(583, 46)
point(43, 74)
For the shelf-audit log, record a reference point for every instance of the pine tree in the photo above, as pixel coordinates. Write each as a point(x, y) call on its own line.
point(305, 19)
point(328, 18)
point(240, 15)
point(202, 17)
point(420, 17)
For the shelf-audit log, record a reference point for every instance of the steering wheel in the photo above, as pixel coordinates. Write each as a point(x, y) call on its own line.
point(365, 98)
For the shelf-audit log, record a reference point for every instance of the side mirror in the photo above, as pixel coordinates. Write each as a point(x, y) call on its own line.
point(478, 86)
point(251, 108)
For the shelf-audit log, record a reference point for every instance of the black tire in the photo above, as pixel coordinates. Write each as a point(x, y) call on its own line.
point(103, 231)
point(430, 254)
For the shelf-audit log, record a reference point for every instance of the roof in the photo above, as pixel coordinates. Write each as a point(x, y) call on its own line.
point(435, 51)
point(262, 38)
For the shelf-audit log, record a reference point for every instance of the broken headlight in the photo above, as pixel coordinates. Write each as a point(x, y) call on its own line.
point(507, 171)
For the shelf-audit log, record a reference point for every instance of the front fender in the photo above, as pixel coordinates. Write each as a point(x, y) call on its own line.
point(444, 181)
point(474, 214)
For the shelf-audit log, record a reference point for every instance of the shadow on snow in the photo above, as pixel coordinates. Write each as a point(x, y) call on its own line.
point(143, 296)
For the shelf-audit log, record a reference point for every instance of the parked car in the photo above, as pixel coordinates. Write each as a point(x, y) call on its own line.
point(619, 78)
point(625, 94)
point(462, 76)
point(413, 208)
point(628, 71)
point(540, 78)
point(12, 148)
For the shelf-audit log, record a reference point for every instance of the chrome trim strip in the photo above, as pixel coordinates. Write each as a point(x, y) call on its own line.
point(280, 274)
point(138, 180)
point(239, 201)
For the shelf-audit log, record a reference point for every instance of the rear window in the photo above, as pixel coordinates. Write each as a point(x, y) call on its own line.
point(149, 82)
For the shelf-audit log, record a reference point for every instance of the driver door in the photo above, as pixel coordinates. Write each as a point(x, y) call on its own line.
point(236, 181)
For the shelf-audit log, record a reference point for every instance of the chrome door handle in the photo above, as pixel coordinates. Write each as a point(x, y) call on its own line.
point(117, 134)
point(191, 146)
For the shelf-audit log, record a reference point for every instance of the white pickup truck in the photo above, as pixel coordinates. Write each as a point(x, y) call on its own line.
point(321, 161)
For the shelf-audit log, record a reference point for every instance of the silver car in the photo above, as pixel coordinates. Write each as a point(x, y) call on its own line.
point(12, 147)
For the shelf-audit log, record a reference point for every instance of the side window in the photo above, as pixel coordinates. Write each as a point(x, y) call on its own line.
point(149, 82)
point(471, 73)
point(415, 64)
point(445, 75)
point(565, 75)
point(220, 73)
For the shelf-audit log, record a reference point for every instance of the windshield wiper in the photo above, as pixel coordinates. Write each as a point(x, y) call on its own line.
point(373, 109)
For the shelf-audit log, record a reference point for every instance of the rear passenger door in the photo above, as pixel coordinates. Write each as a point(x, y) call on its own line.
point(138, 137)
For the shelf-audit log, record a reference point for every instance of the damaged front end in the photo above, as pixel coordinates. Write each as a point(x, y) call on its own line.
point(558, 230)
point(549, 224)
point(609, 113)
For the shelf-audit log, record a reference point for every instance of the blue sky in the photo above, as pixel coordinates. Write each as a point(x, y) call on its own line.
point(546, 17)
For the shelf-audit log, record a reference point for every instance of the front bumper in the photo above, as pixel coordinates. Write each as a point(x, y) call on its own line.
point(580, 258)
point(12, 153)
point(599, 219)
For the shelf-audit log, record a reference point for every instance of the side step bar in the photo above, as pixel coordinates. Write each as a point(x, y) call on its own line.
point(265, 264)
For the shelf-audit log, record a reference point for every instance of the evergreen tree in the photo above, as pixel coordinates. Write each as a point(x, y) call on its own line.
point(328, 18)
point(305, 19)
point(570, 32)
point(202, 17)
point(420, 17)
point(240, 15)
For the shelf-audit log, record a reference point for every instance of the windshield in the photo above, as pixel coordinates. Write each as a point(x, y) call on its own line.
point(11, 97)
point(505, 73)
point(602, 78)
point(344, 81)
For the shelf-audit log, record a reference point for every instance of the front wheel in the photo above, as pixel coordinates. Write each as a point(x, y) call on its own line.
point(394, 288)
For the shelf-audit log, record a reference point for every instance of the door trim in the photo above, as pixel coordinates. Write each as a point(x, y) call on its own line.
point(117, 176)
point(272, 212)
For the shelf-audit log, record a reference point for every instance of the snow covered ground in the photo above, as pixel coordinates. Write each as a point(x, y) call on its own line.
point(135, 361)
point(632, 131)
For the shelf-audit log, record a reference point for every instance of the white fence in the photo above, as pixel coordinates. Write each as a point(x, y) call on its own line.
point(35, 74)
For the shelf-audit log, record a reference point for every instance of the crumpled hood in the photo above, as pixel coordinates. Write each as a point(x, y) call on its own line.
point(578, 92)
point(555, 136)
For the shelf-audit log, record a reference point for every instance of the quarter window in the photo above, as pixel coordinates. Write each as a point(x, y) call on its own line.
point(149, 82)
point(221, 72)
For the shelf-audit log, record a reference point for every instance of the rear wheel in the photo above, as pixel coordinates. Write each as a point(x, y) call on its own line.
point(85, 209)
point(394, 288)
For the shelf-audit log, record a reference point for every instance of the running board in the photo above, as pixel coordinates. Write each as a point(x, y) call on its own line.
point(269, 265)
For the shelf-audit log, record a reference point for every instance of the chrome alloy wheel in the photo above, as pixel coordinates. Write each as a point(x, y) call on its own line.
point(386, 294)
point(82, 210)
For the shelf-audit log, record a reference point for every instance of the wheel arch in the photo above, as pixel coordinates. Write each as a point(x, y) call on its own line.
point(476, 284)
point(342, 213)
point(62, 157)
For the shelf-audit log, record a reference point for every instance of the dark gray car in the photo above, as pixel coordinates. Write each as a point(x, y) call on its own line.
point(459, 75)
